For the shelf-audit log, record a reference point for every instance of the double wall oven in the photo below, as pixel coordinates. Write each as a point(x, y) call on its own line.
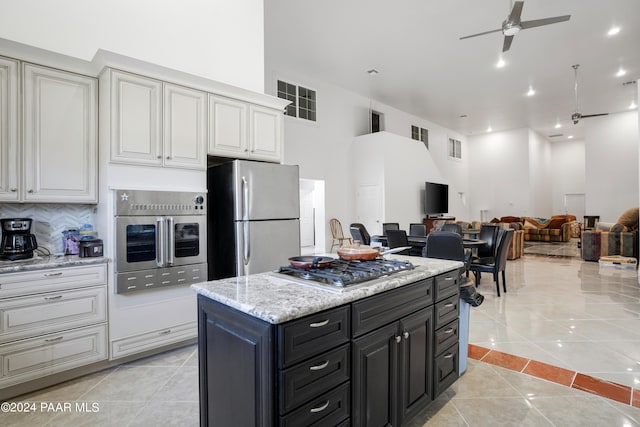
point(160, 239)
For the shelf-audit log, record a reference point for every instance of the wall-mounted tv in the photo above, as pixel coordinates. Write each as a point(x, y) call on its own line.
point(436, 199)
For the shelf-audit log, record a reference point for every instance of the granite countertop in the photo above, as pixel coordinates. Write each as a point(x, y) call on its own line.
point(278, 299)
point(41, 262)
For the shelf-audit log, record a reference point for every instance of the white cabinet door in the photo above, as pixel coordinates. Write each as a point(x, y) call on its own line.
point(265, 129)
point(185, 127)
point(9, 158)
point(136, 114)
point(227, 127)
point(60, 136)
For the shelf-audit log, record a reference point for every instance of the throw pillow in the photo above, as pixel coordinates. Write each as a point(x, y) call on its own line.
point(618, 228)
point(629, 218)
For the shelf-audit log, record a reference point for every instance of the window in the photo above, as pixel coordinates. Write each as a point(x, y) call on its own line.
point(455, 148)
point(303, 100)
point(376, 121)
point(420, 134)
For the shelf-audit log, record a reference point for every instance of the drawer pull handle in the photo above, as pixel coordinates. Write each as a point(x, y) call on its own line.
point(53, 298)
point(319, 408)
point(448, 331)
point(165, 332)
point(406, 335)
point(448, 278)
point(398, 339)
point(57, 273)
point(54, 339)
point(320, 366)
point(319, 324)
point(449, 304)
point(448, 356)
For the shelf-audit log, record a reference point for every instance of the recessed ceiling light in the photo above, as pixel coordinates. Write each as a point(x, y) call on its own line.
point(531, 91)
point(372, 72)
point(500, 63)
point(621, 72)
point(558, 125)
point(633, 105)
point(463, 116)
point(570, 137)
point(489, 129)
point(613, 31)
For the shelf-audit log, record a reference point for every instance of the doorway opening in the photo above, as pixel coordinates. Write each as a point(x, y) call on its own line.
point(312, 217)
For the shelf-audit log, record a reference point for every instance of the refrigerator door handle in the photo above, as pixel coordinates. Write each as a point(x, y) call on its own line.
point(247, 245)
point(245, 199)
point(160, 241)
point(170, 241)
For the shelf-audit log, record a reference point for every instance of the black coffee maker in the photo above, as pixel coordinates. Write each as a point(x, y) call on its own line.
point(17, 240)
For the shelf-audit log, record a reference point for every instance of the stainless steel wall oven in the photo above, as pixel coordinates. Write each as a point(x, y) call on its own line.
point(160, 239)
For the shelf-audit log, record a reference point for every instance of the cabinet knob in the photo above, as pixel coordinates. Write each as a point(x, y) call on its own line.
point(158, 157)
point(168, 157)
point(246, 150)
point(405, 335)
point(30, 191)
point(398, 339)
point(13, 190)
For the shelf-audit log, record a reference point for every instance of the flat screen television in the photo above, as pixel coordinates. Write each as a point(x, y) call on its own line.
point(436, 199)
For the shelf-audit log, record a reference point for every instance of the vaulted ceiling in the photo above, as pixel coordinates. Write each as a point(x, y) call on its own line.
point(426, 70)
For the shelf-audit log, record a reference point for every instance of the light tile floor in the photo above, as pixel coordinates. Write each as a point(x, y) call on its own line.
point(561, 311)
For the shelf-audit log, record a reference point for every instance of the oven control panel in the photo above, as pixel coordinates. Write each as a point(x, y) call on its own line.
point(147, 202)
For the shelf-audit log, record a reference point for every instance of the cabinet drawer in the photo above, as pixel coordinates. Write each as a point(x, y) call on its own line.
point(26, 360)
point(32, 282)
point(379, 310)
point(302, 382)
point(447, 284)
point(33, 315)
point(154, 339)
point(446, 370)
point(447, 310)
point(313, 334)
point(446, 336)
point(330, 409)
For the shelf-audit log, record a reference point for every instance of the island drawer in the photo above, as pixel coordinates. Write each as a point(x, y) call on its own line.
point(330, 409)
point(312, 377)
point(445, 370)
point(306, 337)
point(447, 310)
point(446, 337)
point(446, 285)
point(379, 310)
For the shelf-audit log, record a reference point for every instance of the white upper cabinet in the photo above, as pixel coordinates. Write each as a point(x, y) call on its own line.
point(60, 136)
point(185, 127)
point(265, 133)
point(227, 127)
point(136, 117)
point(9, 155)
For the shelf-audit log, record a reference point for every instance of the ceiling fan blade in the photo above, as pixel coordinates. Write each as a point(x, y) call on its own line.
point(584, 116)
point(544, 21)
point(481, 34)
point(507, 43)
point(516, 12)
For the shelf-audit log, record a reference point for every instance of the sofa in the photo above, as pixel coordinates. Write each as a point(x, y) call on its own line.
point(557, 228)
point(619, 238)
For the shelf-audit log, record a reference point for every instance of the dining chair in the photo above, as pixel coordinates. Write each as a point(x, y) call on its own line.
point(487, 254)
point(446, 245)
point(417, 230)
point(500, 263)
point(396, 239)
point(336, 233)
point(359, 232)
point(453, 227)
point(389, 226)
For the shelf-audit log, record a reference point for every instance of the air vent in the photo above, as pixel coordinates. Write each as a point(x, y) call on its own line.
point(556, 135)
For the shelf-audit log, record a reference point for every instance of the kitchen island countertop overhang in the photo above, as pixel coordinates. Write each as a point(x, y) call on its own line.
point(277, 299)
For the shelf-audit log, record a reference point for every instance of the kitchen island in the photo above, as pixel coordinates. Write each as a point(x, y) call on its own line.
point(276, 352)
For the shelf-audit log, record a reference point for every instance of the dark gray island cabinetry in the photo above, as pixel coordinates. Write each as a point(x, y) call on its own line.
point(373, 359)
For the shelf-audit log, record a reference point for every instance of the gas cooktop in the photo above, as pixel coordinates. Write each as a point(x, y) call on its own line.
point(341, 275)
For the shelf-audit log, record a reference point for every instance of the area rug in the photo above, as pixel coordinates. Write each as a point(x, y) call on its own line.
point(558, 249)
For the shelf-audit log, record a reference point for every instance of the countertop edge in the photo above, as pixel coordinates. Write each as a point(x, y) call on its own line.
point(47, 262)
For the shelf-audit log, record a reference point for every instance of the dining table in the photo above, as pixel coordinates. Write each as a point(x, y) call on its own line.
point(421, 241)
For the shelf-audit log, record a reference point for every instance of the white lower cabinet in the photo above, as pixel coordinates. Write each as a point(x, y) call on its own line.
point(51, 320)
point(154, 339)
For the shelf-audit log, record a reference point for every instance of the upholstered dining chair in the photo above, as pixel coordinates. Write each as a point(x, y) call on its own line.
point(359, 232)
point(418, 230)
point(336, 233)
point(396, 239)
point(500, 263)
point(446, 245)
point(389, 226)
point(487, 254)
point(453, 227)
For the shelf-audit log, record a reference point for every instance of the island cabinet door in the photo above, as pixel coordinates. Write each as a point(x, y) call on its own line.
point(236, 367)
point(375, 378)
point(415, 359)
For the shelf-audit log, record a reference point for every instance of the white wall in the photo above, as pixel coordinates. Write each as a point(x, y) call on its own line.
point(611, 146)
point(218, 39)
point(539, 176)
point(567, 172)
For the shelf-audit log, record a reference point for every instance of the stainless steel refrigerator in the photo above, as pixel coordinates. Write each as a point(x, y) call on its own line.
point(253, 221)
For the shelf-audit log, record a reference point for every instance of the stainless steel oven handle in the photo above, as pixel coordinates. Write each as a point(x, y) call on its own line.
point(171, 241)
point(160, 242)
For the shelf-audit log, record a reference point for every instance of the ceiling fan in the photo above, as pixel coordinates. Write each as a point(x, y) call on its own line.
point(512, 25)
point(576, 116)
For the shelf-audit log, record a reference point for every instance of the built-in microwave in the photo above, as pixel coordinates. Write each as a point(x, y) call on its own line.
point(160, 239)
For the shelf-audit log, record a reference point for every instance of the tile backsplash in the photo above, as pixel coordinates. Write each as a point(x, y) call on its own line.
point(50, 220)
